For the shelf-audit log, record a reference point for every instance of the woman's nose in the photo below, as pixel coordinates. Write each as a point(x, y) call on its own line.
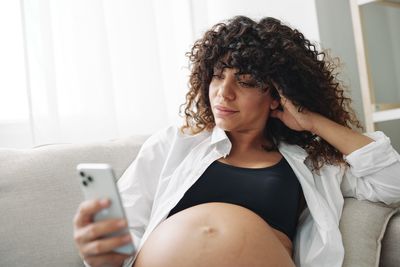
point(226, 89)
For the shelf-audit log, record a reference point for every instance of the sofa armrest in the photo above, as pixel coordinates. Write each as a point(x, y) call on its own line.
point(390, 252)
point(39, 195)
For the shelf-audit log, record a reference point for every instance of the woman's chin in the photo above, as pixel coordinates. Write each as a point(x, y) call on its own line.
point(224, 125)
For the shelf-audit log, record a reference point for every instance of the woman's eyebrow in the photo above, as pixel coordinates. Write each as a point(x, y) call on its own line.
point(221, 65)
point(224, 64)
point(247, 77)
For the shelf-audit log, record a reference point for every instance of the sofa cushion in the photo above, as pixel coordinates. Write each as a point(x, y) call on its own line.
point(39, 194)
point(363, 225)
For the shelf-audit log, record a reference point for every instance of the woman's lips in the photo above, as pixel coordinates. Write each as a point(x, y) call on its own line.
point(224, 111)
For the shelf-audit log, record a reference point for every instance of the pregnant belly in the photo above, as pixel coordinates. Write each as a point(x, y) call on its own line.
point(215, 234)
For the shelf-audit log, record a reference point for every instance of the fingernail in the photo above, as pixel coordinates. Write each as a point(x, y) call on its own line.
point(122, 223)
point(127, 238)
point(104, 202)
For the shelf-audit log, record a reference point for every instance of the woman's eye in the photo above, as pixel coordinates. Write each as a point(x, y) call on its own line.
point(248, 85)
point(217, 76)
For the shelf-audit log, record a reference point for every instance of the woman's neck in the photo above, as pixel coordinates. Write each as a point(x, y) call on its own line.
point(247, 141)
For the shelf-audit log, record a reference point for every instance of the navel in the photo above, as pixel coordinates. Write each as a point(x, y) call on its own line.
point(208, 230)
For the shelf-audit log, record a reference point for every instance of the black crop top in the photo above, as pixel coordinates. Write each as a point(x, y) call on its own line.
point(271, 192)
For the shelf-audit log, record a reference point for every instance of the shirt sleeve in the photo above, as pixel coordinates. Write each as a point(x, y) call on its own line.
point(374, 172)
point(138, 184)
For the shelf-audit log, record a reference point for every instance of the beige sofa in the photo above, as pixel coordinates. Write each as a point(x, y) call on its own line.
point(39, 193)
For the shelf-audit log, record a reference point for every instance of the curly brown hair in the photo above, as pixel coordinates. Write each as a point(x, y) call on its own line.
point(277, 57)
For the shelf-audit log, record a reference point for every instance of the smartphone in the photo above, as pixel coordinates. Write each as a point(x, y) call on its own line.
point(98, 181)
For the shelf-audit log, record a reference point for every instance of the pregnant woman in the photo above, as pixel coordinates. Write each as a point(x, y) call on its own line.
point(257, 174)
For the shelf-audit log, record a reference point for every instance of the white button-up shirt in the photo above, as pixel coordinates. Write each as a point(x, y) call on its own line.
point(170, 162)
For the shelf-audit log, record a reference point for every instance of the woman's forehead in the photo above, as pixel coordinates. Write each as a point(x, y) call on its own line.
point(226, 62)
point(221, 68)
point(222, 64)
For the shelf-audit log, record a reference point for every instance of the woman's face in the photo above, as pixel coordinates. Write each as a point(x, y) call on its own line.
point(236, 102)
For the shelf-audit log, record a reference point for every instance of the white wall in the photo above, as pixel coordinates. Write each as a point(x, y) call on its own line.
point(337, 35)
point(298, 14)
point(383, 37)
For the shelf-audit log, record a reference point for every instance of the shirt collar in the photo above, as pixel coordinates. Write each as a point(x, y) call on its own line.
point(293, 150)
point(218, 135)
point(221, 140)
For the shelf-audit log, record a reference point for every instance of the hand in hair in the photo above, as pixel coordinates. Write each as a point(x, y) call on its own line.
point(342, 138)
point(293, 117)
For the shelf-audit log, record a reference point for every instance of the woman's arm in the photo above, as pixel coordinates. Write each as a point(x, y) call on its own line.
point(342, 138)
point(375, 172)
point(375, 165)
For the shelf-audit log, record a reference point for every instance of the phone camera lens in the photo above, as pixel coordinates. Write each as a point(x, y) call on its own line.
point(84, 183)
point(82, 174)
point(90, 178)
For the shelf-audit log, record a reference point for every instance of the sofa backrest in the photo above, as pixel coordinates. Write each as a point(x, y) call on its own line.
point(39, 195)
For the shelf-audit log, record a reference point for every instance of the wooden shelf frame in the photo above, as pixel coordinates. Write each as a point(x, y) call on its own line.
point(381, 2)
point(373, 112)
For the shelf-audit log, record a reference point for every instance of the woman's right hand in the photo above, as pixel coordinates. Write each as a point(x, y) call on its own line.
point(88, 235)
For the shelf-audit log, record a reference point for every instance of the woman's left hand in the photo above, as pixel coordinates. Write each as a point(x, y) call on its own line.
point(293, 118)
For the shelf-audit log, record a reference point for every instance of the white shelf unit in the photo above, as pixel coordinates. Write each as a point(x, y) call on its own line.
point(374, 112)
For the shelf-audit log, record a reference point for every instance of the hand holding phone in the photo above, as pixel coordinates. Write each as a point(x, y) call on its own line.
point(98, 183)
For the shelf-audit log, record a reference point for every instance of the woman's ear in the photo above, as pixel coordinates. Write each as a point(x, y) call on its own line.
point(274, 104)
point(274, 93)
